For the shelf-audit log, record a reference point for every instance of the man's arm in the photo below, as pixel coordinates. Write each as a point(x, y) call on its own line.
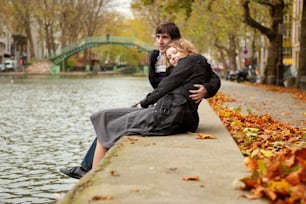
point(213, 85)
point(206, 90)
point(198, 94)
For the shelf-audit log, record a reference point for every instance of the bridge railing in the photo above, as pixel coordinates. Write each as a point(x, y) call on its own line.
point(127, 41)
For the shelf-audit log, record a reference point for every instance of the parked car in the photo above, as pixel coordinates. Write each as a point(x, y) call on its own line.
point(246, 74)
point(2, 68)
point(10, 65)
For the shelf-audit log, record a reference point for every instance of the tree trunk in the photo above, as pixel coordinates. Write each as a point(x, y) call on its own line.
point(47, 38)
point(301, 73)
point(270, 71)
point(24, 16)
point(29, 35)
point(53, 46)
point(232, 52)
point(273, 72)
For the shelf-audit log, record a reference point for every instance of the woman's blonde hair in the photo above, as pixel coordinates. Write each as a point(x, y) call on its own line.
point(182, 45)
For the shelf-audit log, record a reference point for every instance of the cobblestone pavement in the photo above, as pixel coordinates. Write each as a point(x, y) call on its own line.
point(282, 107)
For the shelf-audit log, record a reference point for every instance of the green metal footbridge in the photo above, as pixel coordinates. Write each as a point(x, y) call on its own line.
point(60, 55)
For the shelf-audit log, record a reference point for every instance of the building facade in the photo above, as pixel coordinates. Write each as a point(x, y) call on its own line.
point(5, 43)
point(12, 46)
point(296, 33)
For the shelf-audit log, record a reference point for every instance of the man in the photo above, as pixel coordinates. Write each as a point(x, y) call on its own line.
point(164, 34)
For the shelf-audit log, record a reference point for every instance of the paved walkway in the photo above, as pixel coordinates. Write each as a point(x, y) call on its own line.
point(281, 106)
point(151, 170)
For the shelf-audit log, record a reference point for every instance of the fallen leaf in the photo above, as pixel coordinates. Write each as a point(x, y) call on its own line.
point(250, 196)
point(266, 153)
point(130, 139)
point(293, 178)
point(114, 173)
point(96, 198)
point(251, 164)
point(191, 178)
point(204, 136)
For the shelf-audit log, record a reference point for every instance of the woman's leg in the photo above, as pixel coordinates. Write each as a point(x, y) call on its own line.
point(99, 154)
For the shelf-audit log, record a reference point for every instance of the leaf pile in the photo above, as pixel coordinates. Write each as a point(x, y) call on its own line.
point(275, 153)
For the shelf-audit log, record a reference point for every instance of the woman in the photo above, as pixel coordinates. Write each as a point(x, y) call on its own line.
point(174, 111)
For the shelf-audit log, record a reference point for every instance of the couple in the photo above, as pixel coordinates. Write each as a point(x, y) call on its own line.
point(178, 91)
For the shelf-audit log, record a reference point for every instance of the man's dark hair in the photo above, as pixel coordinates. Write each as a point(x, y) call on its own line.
point(169, 28)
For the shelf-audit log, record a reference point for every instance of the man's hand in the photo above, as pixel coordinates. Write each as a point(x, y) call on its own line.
point(138, 105)
point(198, 94)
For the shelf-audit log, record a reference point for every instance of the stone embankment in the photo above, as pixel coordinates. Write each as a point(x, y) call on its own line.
point(173, 169)
point(42, 67)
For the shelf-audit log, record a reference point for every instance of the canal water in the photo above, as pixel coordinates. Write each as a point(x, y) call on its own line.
point(44, 125)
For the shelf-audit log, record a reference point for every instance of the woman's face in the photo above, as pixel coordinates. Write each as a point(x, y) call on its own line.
point(173, 55)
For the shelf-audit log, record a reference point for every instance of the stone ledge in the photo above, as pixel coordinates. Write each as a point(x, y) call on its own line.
point(151, 169)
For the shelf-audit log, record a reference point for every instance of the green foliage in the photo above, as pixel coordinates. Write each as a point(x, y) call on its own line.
point(156, 12)
point(71, 62)
point(180, 5)
point(148, 2)
point(116, 54)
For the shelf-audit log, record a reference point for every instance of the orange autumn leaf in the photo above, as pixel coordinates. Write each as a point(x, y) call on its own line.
point(97, 198)
point(251, 196)
point(249, 183)
point(204, 136)
point(293, 178)
point(251, 164)
point(191, 178)
point(263, 191)
point(114, 173)
point(131, 140)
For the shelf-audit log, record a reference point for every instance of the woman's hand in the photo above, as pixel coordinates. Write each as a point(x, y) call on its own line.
point(198, 94)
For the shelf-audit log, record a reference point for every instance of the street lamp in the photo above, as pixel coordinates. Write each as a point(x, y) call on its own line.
point(280, 66)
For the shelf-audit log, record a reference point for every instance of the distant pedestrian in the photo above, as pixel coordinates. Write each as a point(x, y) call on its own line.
point(21, 64)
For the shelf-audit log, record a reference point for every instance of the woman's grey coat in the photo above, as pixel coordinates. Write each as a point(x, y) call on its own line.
point(173, 112)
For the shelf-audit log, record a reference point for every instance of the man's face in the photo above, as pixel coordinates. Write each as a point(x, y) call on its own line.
point(162, 40)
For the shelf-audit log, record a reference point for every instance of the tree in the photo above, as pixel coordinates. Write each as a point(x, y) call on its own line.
point(273, 73)
point(5, 12)
point(216, 29)
point(226, 25)
point(152, 12)
point(195, 27)
point(94, 15)
point(46, 17)
point(158, 11)
point(23, 9)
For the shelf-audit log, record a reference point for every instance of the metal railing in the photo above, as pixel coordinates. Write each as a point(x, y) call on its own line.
point(89, 42)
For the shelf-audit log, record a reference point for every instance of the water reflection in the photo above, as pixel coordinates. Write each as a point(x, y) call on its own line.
point(44, 125)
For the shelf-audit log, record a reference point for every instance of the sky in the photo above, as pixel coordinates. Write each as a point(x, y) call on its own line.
point(123, 6)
